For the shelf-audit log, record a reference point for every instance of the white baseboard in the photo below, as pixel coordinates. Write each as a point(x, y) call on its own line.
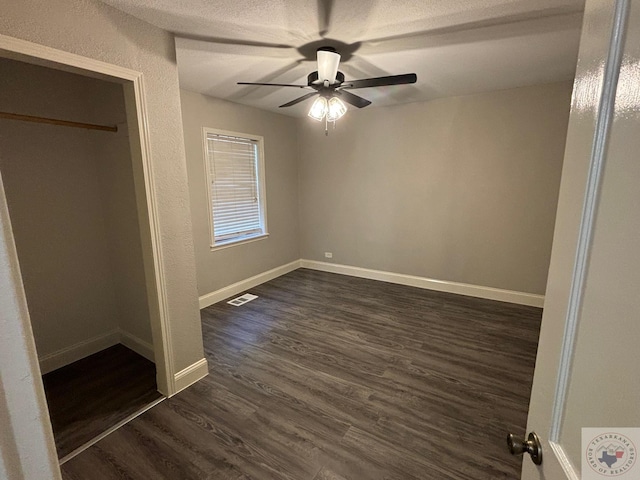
point(489, 293)
point(73, 353)
point(191, 374)
point(240, 287)
point(80, 350)
point(138, 345)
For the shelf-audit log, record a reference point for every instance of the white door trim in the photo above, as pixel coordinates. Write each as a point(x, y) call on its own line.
point(587, 222)
point(27, 449)
point(38, 54)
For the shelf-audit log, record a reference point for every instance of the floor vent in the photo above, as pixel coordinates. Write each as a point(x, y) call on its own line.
point(241, 300)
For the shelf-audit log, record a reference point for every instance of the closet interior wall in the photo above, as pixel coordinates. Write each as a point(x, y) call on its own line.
point(73, 213)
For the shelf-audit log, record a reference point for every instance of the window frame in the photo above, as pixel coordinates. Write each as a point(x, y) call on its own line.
point(261, 184)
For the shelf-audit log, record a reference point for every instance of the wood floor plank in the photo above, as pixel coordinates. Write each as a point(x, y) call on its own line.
point(432, 446)
point(326, 474)
point(88, 397)
point(213, 447)
point(258, 448)
point(327, 377)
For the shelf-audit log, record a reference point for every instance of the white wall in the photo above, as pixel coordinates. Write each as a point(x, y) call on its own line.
point(72, 201)
point(458, 189)
point(222, 267)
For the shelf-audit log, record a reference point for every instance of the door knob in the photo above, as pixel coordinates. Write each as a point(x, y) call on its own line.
point(532, 446)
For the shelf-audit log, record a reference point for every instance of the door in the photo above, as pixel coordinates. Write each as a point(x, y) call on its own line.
point(586, 370)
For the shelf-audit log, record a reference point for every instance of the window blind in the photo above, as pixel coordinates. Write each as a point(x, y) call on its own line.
point(235, 193)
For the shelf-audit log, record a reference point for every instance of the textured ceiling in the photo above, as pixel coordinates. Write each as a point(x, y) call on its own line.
point(456, 47)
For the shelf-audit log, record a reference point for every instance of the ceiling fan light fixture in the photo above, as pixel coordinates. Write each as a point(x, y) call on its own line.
point(336, 109)
point(328, 65)
point(319, 109)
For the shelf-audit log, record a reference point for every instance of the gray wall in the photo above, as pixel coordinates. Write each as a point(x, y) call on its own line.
point(92, 29)
point(460, 189)
point(73, 208)
point(222, 267)
point(112, 154)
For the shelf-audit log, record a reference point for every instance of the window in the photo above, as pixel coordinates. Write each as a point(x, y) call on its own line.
point(235, 174)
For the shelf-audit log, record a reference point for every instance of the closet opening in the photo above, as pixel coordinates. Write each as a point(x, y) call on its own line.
point(72, 174)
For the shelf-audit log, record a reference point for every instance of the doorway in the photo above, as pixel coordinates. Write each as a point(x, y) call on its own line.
point(71, 198)
point(80, 222)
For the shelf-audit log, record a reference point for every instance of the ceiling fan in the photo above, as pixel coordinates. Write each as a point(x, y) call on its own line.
point(330, 85)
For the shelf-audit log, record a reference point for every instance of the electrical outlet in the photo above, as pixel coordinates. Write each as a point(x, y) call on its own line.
point(328, 255)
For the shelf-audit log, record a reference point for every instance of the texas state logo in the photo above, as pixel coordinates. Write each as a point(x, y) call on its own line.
point(610, 454)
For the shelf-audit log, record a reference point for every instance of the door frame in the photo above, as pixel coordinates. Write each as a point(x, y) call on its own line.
point(27, 448)
point(137, 124)
point(17, 337)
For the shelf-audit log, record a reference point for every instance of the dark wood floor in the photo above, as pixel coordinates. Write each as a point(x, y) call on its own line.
point(89, 396)
point(327, 377)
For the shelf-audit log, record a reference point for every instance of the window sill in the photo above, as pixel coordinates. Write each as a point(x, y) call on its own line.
point(234, 243)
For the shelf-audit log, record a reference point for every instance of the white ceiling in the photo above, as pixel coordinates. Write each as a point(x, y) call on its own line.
point(455, 47)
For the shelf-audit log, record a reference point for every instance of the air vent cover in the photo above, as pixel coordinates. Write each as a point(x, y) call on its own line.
point(241, 300)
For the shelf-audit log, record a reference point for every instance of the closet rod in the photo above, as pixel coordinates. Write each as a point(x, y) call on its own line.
point(53, 121)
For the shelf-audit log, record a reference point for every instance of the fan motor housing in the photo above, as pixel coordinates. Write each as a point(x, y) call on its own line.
point(313, 77)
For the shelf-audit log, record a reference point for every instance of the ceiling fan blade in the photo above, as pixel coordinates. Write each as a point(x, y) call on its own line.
point(381, 81)
point(298, 100)
point(273, 84)
point(352, 99)
point(328, 61)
